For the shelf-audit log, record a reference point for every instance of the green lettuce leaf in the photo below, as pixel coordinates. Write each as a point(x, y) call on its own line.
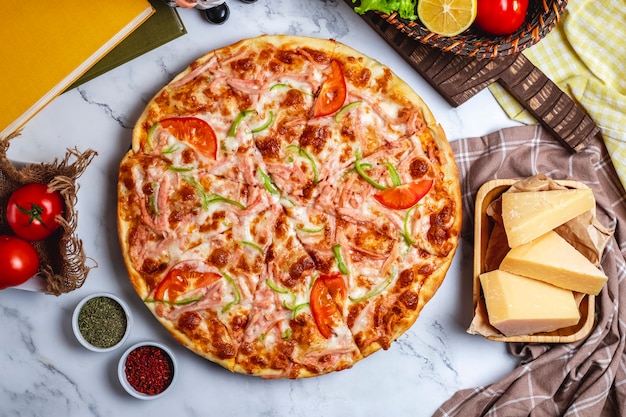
point(405, 8)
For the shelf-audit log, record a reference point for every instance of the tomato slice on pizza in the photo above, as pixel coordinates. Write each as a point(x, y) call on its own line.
point(333, 92)
point(329, 292)
point(184, 278)
point(404, 196)
point(194, 131)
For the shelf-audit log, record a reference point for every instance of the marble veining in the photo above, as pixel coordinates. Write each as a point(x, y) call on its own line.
point(44, 371)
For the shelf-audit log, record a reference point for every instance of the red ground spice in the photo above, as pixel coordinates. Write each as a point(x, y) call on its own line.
point(149, 370)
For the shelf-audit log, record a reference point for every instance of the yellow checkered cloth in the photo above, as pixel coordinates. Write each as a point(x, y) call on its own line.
point(585, 55)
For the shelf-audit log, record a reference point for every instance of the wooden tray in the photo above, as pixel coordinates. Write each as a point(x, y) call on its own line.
point(483, 224)
point(458, 78)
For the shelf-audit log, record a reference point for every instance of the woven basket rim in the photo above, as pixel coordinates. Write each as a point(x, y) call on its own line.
point(541, 18)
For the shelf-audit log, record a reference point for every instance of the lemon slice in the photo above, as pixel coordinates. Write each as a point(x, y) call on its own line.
point(447, 17)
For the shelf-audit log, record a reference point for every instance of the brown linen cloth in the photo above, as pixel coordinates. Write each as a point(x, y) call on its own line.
point(585, 378)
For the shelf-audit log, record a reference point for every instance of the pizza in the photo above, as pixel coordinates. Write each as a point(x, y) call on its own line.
point(288, 206)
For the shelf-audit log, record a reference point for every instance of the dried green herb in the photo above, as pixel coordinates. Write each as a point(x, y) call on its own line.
point(102, 322)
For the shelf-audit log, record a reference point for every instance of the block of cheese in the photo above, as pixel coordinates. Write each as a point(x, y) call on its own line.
point(519, 305)
point(551, 259)
point(528, 215)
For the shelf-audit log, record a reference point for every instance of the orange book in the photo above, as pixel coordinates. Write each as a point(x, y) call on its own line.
point(46, 48)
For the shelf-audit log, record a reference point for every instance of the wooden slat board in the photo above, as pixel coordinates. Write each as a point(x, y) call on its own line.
point(458, 78)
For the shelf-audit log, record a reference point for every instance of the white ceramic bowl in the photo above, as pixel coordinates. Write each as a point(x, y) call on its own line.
point(145, 367)
point(76, 329)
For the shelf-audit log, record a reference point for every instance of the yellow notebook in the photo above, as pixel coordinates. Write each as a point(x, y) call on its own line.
point(43, 49)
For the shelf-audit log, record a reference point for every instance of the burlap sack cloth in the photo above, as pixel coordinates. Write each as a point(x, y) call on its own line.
point(62, 258)
point(585, 378)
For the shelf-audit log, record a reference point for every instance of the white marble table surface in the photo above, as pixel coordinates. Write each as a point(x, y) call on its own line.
point(44, 371)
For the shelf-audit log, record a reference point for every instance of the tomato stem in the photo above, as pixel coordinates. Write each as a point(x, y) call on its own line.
point(33, 214)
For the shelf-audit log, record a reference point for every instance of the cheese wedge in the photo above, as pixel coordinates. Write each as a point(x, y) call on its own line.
point(528, 215)
point(551, 259)
point(519, 305)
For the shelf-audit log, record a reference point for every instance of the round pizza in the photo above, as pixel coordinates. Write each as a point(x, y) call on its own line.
point(288, 206)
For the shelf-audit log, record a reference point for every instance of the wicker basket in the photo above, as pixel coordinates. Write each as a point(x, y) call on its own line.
point(541, 17)
point(63, 263)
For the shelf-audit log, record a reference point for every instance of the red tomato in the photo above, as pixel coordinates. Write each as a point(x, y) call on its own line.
point(184, 277)
point(328, 292)
point(194, 131)
point(18, 261)
point(32, 211)
point(333, 92)
point(403, 196)
point(500, 17)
